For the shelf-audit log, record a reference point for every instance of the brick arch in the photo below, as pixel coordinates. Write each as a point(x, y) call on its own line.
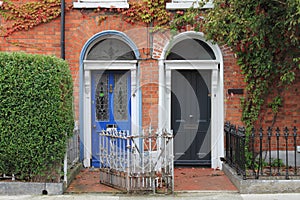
point(161, 39)
point(118, 34)
point(85, 86)
point(194, 35)
point(80, 31)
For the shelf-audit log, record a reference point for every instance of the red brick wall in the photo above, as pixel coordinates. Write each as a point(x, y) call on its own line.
point(149, 86)
point(233, 79)
point(289, 113)
point(82, 24)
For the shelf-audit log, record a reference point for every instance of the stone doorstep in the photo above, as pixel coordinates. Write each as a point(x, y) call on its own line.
point(261, 186)
point(34, 188)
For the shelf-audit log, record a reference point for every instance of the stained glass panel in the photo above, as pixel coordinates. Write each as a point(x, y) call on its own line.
point(111, 49)
point(120, 97)
point(102, 112)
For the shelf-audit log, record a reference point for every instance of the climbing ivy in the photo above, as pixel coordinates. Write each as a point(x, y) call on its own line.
point(264, 34)
point(20, 17)
point(192, 17)
point(146, 11)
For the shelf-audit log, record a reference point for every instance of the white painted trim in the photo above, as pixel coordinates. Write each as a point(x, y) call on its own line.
point(87, 120)
point(90, 66)
point(192, 64)
point(217, 85)
point(168, 98)
point(134, 103)
point(101, 4)
point(162, 111)
point(185, 4)
point(215, 158)
point(109, 65)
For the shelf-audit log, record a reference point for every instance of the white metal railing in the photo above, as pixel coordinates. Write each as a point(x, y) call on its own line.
point(72, 153)
point(184, 4)
point(100, 3)
point(137, 163)
point(73, 149)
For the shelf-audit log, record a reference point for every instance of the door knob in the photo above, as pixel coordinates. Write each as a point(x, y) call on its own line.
point(191, 116)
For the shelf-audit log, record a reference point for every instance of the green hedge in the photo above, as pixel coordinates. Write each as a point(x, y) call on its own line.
point(36, 96)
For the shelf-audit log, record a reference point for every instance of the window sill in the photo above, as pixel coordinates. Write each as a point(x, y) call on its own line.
point(186, 5)
point(100, 5)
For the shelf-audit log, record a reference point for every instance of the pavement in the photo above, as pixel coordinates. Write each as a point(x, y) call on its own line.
point(178, 196)
point(190, 184)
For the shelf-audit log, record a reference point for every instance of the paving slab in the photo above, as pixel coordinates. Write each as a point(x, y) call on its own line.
point(201, 179)
point(182, 196)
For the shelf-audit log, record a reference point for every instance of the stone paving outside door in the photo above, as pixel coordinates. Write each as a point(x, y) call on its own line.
point(186, 179)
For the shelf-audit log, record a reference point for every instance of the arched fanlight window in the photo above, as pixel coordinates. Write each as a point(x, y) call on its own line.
point(191, 49)
point(110, 49)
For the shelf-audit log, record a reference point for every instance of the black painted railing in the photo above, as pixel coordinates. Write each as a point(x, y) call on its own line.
point(263, 153)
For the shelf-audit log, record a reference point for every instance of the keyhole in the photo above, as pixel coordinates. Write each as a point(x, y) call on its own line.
point(110, 88)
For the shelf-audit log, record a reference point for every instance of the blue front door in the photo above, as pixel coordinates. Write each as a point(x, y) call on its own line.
point(110, 105)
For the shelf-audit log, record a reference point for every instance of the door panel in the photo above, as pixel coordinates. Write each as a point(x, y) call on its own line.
point(110, 105)
point(190, 116)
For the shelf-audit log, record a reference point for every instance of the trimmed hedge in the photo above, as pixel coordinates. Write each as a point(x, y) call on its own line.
point(36, 115)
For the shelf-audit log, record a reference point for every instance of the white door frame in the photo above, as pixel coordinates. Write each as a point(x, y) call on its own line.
point(85, 71)
point(99, 65)
point(217, 102)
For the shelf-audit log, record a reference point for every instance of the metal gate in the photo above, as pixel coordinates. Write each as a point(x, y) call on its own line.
point(137, 163)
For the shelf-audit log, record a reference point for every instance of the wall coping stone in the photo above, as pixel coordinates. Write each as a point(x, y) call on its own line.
point(261, 186)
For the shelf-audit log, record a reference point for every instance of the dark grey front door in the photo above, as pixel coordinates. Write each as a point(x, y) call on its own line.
point(190, 117)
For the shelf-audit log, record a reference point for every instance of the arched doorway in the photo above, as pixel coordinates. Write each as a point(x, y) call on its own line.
point(191, 76)
point(109, 95)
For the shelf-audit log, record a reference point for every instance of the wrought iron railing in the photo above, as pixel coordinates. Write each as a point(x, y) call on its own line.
point(235, 148)
point(72, 154)
point(137, 163)
point(73, 149)
point(263, 153)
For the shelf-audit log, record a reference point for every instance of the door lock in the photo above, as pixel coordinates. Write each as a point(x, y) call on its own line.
point(110, 88)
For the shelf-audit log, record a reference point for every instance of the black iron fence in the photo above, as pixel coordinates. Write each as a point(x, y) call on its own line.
point(263, 153)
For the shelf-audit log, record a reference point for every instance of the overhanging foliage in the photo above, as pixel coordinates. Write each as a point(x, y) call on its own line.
point(264, 34)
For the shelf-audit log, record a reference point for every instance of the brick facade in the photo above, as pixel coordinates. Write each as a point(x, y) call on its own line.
point(82, 24)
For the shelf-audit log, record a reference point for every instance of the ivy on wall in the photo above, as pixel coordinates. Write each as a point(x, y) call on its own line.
point(20, 17)
point(264, 34)
point(192, 17)
point(146, 11)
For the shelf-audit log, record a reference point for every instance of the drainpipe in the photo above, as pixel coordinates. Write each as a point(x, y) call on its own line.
point(62, 55)
point(151, 40)
point(62, 30)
